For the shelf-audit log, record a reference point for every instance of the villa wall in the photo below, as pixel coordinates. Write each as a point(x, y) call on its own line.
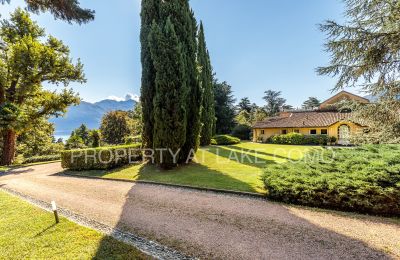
point(332, 130)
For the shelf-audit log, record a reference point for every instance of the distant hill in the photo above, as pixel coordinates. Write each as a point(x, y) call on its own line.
point(89, 114)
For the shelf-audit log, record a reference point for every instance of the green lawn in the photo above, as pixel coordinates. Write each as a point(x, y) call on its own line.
point(237, 167)
point(28, 232)
point(4, 168)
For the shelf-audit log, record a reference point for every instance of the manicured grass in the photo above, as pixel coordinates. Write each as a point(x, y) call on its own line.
point(28, 232)
point(4, 168)
point(237, 167)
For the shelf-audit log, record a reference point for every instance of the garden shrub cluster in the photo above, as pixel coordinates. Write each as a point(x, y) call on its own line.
point(300, 139)
point(101, 158)
point(243, 132)
point(43, 158)
point(364, 179)
point(224, 140)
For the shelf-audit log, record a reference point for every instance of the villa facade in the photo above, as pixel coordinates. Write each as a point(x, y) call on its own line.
point(321, 121)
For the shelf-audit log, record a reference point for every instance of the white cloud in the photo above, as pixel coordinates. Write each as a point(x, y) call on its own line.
point(128, 96)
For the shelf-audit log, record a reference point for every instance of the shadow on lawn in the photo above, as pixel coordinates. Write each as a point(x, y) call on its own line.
point(239, 156)
point(219, 226)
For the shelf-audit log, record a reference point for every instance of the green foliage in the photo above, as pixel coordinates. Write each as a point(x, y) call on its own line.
point(364, 179)
point(133, 139)
point(245, 105)
point(38, 141)
point(242, 132)
point(42, 158)
point(274, 102)
point(75, 142)
point(299, 139)
point(311, 103)
point(364, 52)
point(225, 140)
point(206, 79)
point(100, 158)
point(170, 100)
point(115, 126)
point(27, 60)
point(137, 119)
point(150, 14)
point(224, 108)
point(68, 10)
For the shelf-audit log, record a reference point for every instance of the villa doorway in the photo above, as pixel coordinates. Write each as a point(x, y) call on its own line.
point(344, 135)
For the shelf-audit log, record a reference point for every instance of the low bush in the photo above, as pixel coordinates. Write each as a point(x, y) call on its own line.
point(363, 179)
point(242, 132)
point(133, 139)
point(43, 158)
point(225, 140)
point(102, 158)
point(299, 139)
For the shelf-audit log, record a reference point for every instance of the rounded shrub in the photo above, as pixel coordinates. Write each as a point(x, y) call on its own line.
point(242, 132)
point(225, 140)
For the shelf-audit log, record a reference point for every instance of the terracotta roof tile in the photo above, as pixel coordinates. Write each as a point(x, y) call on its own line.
point(305, 119)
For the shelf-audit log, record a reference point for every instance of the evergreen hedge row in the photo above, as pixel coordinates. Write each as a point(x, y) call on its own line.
point(42, 158)
point(102, 158)
point(364, 179)
point(299, 139)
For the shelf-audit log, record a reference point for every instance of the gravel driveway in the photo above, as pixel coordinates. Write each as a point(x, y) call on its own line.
point(209, 225)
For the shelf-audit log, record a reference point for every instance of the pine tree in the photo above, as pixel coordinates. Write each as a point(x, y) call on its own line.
point(206, 79)
point(68, 10)
point(365, 52)
point(149, 14)
point(171, 93)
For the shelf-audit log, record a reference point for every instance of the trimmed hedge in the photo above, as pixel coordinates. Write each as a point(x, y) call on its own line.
point(43, 158)
point(363, 179)
point(102, 158)
point(224, 140)
point(299, 139)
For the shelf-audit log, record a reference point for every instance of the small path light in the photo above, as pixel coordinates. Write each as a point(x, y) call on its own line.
point(54, 207)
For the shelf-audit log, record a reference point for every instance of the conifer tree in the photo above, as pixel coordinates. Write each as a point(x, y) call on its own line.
point(149, 14)
point(171, 94)
point(206, 80)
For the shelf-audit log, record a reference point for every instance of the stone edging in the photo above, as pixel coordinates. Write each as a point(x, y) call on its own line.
point(186, 187)
point(146, 246)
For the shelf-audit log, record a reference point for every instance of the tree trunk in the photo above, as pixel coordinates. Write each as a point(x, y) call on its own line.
point(9, 143)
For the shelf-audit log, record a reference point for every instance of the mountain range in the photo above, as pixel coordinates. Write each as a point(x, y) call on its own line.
point(89, 114)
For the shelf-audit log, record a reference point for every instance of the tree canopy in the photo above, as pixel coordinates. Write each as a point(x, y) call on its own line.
point(68, 10)
point(27, 60)
point(224, 107)
point(311, 103)
point(365, 52)
point(274, 102)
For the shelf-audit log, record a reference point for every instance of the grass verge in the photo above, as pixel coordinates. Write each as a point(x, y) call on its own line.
point(235, 167)
point(28, 232)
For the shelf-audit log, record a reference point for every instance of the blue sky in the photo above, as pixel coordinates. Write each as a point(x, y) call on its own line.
point(255, 45)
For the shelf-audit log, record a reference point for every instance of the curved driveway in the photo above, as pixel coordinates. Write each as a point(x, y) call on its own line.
point(209, 225)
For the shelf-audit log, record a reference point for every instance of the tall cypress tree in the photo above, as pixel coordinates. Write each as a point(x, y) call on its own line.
point(150, 13)
point(195, 97)
point(206, 80)
point(185, 26)
point(171, 93)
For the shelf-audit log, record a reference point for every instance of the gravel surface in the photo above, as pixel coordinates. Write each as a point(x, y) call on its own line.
point(210, 225)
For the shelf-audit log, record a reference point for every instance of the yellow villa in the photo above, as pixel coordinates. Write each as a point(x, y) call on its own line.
point(322, 121)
